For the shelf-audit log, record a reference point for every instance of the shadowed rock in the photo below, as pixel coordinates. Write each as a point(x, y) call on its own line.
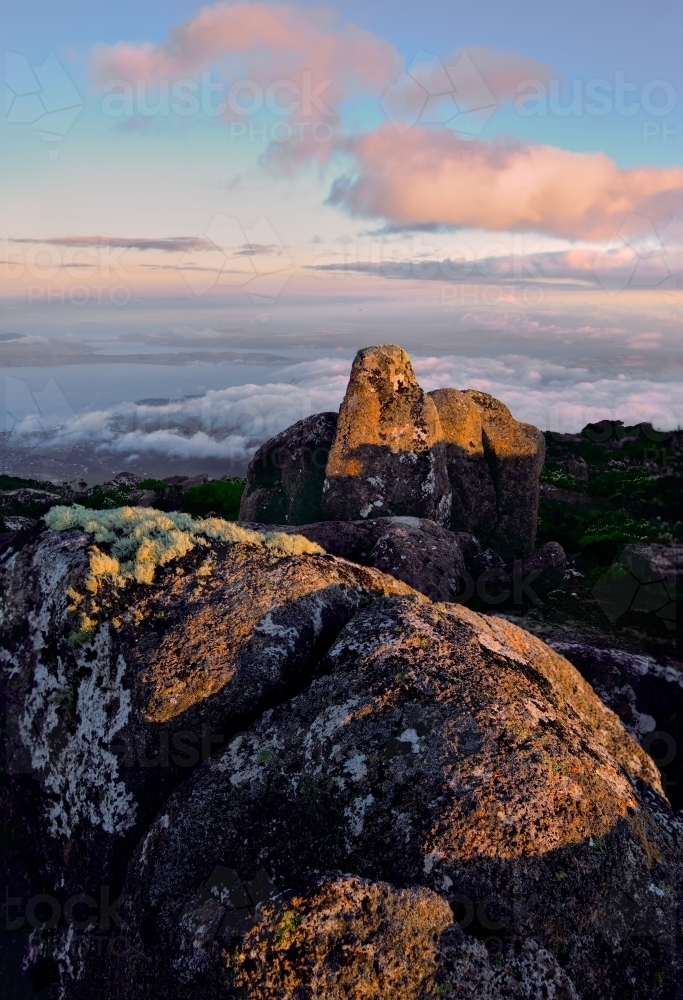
point(286, 475)
point(494, 464)
point(435, 747)
point(387, 455)
point(474, 506)
point(420, 552)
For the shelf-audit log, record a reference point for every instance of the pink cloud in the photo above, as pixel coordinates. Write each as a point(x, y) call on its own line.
point(425, 176)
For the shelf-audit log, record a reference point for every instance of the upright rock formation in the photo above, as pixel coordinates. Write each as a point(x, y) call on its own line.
point(286, 475)
point(474, 506)
point(494, 464)
point(387, 455)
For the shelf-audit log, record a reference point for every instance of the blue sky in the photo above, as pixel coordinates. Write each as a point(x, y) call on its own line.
point(491, 224)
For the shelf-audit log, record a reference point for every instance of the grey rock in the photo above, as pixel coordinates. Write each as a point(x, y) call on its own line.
point(440, 748)
point(286, 475)
point(387, 457)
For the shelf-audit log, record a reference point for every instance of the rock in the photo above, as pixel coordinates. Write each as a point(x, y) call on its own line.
point(27, 502)
point(540, 572)
point(113, 690)
point(420, 552)
point(647, 695)
point(646, 579)
point(575, 466)
point(398, 943)
point(494, 464)
point(15, 523)
point(474, 506)
point(569, 497)
point(193, 481)
point(175, 480)
point(286, 475)
point(387, 457)
point(435, 747)
point(129, 479)
point(146, 498)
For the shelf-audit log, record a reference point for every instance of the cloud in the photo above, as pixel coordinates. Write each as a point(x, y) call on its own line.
point(168, 244)
point(425, 177)
point(229, 424)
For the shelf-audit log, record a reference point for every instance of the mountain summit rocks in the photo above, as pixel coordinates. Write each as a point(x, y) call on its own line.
point(458, 458)
point(387, 455)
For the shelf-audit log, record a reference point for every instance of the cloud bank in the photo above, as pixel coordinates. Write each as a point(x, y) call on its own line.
point(229, 424)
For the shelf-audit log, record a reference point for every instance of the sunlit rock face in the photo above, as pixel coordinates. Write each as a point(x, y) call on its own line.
point(387, 455)
point(435, 747)
point(133, 643)
point(494, 463)
point(286, 475)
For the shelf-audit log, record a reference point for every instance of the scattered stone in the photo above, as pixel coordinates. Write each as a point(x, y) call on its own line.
point(286, 475)
point(387, 457)
point(540, 572)
point(575, 466)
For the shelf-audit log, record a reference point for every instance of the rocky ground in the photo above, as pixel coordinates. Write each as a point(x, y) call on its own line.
point(397, 716)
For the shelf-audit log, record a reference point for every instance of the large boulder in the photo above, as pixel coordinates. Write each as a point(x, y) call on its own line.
point(286, 475)
point(494, 465)
point(387, 455)
point(132, 644)
point(435, 747)
point(420, 552)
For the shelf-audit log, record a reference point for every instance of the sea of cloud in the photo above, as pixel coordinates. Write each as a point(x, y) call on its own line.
point(227, 425)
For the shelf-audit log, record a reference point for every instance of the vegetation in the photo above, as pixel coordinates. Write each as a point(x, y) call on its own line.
point(635, 480)
point(222, 496)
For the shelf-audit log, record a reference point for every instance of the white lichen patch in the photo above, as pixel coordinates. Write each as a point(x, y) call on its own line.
point(141, 539)
point(356, 766)
point(355, 814)
point(77, 770)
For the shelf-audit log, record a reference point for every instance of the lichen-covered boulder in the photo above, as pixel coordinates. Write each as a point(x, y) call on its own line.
point(133, 643)
point(286, 475)
point(435, 747)
point(387, 455)
point(420, 552)
point(494, 465)
point(349, 937)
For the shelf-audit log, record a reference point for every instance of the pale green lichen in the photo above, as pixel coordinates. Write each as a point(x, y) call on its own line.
point(140, 539)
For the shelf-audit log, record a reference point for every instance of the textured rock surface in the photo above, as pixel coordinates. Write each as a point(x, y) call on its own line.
point(350, 937)
point(387, 455)
point(436, 747)
point(286, 475)
point(415, 550)
point(115, 692)
point(474, 507)
point(494, 464)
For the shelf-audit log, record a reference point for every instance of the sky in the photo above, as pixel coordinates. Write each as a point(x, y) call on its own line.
point(233, 198)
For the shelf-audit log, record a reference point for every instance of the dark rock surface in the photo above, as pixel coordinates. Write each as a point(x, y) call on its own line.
point(114, 691)
point(474, 506)
point(436, 747)
point(419, 552)
point(387, 457)
point(286, 475)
